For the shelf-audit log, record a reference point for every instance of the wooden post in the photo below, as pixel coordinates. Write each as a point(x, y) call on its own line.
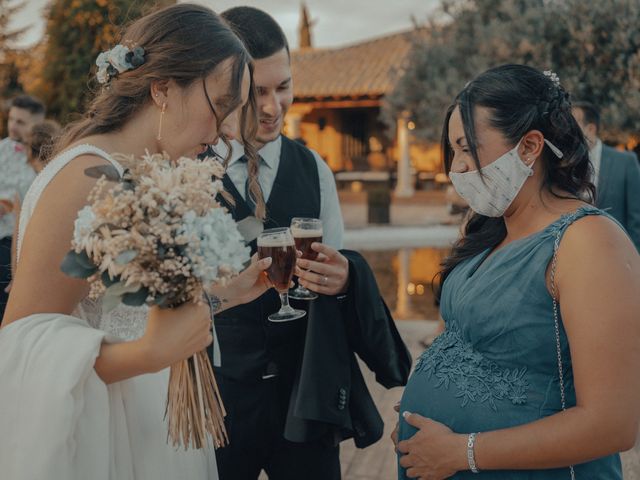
point(292, 125)
point(404, 185)
point(403, 303)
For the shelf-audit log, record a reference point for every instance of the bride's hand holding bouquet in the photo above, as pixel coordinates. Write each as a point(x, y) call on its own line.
point(173, 334)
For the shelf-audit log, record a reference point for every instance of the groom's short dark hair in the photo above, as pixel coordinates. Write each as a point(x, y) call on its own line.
point(259, 32)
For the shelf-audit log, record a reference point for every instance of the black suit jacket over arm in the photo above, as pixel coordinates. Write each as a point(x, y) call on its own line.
point(330, 398)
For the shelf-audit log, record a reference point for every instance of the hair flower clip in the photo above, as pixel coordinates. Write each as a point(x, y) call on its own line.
point(118, 60)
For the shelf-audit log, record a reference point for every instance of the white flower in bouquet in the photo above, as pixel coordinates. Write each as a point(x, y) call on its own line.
point(83, 226)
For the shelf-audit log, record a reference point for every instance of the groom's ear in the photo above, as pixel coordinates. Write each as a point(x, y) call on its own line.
point(159, 91)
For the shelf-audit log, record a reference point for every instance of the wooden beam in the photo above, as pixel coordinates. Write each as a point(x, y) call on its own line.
point(350, 103)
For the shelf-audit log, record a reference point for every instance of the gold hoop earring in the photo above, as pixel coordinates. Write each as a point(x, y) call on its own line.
point(164, 108)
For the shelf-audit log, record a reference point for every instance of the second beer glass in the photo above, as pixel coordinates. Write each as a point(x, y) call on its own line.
point(305, 231)
point(278, 244)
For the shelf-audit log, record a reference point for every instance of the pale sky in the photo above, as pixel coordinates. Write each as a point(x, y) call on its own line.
point(339, 22)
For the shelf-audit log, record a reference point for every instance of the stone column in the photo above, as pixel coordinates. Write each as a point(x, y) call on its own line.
point(403, 303)
point(293, 121)
point(404, 185)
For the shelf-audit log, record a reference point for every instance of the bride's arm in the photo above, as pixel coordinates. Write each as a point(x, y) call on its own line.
point(247, 286)
point(41, 287)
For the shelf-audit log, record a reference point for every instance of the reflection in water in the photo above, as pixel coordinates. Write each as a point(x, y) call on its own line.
point(405, 278)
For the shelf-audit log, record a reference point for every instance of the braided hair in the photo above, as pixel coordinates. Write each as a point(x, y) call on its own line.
point(519, 99)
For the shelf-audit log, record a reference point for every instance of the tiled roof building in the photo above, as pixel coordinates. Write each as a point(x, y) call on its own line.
point(338, 94)
point(364, 70)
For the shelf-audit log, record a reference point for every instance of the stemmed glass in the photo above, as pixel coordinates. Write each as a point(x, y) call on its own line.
point(278, 244)
point(305, 231)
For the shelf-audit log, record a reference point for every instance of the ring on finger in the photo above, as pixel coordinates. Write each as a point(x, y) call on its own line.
point(325, 280)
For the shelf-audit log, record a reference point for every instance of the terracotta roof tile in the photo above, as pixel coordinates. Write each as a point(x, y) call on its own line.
point(364, 69)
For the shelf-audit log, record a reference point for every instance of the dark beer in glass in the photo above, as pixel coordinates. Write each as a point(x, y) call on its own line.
point(278, 243)
point(305, 231)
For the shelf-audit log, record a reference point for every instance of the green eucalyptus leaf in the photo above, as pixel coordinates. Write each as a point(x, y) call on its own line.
point(119, 289)
point(161, 299)
point(126, 257)
point(109, 302)
point(83, 259)
point(136, 299)
point(75, 266)
point(107, 281)
point(108, 171)
point(250, 228)
point(128, 185)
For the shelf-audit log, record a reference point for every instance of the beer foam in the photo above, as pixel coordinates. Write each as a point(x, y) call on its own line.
point(304, 233)
point(275, 242)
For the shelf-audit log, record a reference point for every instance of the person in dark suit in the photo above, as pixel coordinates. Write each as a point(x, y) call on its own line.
point(616, 173)
point(294, 390)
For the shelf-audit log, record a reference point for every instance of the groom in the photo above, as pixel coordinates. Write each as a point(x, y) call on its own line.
point(294, 390)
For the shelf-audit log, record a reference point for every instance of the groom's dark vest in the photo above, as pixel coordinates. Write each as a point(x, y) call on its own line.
point(251, 346)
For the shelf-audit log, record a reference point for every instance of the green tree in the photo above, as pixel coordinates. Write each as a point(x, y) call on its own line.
point(8, 35)
point(593, 46)
point(9, 74)
point(76, 32)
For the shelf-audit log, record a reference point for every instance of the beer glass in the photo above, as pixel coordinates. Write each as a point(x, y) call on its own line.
point(278, 244)
point(305, 231)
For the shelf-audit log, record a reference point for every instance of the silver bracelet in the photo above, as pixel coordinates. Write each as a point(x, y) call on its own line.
point(470, 453)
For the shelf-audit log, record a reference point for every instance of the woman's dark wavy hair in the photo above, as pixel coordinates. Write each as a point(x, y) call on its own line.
point(519, 99)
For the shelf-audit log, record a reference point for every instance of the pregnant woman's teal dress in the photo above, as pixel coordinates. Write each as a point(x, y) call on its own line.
point(495, 366)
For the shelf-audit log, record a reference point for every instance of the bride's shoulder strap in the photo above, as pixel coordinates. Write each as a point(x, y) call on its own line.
point(46, 175)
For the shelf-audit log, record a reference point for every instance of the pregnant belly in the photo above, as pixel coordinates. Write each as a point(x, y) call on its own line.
point(466, 402)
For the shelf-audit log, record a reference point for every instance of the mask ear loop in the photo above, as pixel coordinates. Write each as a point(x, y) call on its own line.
point(556, 151)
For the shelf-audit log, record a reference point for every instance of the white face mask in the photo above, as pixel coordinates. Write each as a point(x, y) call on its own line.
point(493, 189)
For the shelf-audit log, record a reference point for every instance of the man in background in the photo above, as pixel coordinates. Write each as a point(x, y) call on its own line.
point(16, 177)
point(616, 173)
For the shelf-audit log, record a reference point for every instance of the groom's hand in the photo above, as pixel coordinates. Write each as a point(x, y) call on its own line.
point(328, 274)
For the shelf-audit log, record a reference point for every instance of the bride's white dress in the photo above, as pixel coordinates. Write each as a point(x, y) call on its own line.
point(58, 420)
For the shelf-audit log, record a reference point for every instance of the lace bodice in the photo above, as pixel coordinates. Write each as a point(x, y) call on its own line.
point(125, 322)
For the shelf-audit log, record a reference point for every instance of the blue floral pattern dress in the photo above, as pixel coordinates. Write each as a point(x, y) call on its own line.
point(495, 365)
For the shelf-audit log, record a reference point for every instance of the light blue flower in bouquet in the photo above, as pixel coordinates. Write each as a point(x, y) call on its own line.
point(215, 245)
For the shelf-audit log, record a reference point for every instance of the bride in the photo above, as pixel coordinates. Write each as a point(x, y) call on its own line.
point(83, 391)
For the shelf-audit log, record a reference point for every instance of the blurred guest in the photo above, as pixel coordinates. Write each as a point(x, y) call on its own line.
point(40, 142)
point(616, 173)
point(16, 177)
